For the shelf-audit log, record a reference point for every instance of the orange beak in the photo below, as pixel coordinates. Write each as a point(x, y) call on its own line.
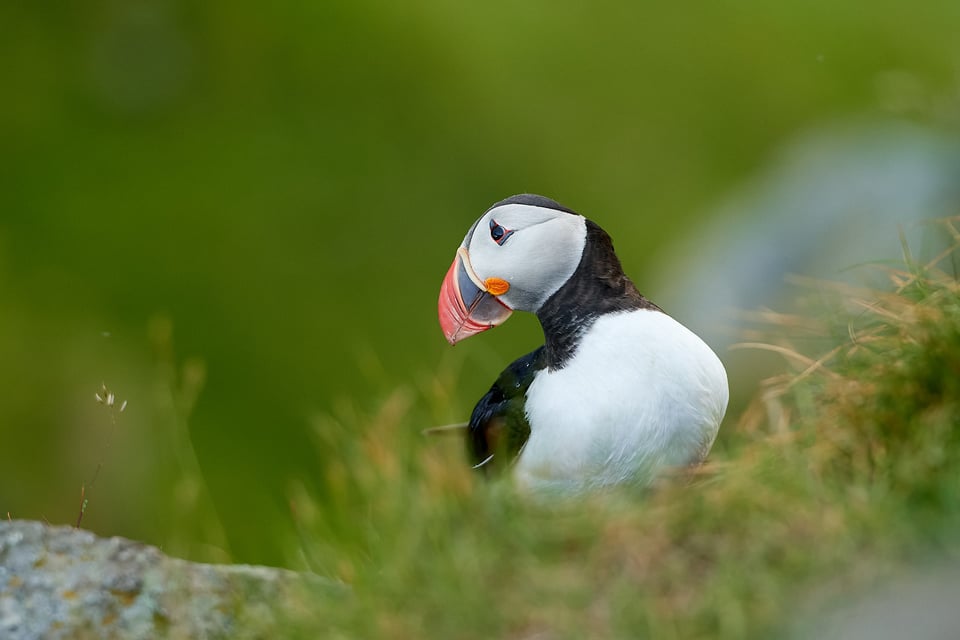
point(468, 305)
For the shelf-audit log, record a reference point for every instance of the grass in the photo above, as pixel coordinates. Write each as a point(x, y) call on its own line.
point(842, 471)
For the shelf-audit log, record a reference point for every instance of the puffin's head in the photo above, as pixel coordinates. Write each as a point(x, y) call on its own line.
point(517, 255)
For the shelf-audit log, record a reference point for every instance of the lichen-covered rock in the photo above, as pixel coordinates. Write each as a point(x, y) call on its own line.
point(61, 582)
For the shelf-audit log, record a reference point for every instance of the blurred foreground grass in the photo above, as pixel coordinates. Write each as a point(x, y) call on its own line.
point(841, 472)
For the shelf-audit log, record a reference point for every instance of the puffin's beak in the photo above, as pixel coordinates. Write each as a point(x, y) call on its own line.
point(466, 306)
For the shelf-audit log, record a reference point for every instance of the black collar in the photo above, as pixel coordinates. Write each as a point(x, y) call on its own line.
point(598, 286)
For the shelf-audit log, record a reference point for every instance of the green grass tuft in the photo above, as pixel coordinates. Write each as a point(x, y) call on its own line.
point(841, 472)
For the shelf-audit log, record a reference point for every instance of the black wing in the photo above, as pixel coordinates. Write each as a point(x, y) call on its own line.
point(498, 427)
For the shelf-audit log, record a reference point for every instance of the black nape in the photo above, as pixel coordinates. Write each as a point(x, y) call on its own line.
point(597, 287)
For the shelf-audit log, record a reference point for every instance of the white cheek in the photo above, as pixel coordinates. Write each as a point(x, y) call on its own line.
point(536, 260)
point(544, 270)
point(488, 259)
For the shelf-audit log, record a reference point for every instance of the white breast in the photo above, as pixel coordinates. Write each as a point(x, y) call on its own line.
point(642, 391)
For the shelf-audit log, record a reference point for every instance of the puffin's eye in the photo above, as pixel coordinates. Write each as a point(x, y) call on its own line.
point(499, 233)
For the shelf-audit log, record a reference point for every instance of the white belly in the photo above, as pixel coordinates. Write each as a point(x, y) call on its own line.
point(642, 391)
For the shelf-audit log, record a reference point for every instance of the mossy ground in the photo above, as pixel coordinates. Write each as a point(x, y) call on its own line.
point(843, 470)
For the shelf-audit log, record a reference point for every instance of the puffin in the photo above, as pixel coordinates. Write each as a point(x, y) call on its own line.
point(618, 392)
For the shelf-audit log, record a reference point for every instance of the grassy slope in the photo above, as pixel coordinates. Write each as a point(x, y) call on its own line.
point(841, 471)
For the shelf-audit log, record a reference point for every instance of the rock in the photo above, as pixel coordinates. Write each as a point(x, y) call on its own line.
point(918, 602)
point(836, 196)
point(61, 582)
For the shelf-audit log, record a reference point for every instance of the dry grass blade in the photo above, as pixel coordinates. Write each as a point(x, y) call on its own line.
point(454, 429)
point(789, 353)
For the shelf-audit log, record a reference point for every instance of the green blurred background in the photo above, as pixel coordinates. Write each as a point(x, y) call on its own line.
point(237, 216)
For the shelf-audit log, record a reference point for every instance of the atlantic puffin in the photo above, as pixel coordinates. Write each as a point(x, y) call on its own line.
point(618, 391)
